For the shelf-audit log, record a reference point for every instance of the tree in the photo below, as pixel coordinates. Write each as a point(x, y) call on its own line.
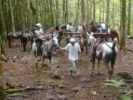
point(12, 16)
point(2, 20)
point(129, 17)
point(122, 24)
point(77, 12)
point(82, 11)
point(87, 10)
point(94, 10)
point(65, 11)
point(57, 12)
point(107, 14)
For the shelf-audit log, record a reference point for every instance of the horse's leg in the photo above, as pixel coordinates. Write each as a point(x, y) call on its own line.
point(112, 66)
point(86, 47)
point(24, 44)
point(50, 62)
point(42, 61)
point(10, 43)
point(35, 54)
point(107, 66)
point(21, 41)
point(31, 42)
point(93, 66)
point(98, 67)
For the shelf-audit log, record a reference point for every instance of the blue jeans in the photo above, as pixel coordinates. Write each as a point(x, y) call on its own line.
point(39, 44)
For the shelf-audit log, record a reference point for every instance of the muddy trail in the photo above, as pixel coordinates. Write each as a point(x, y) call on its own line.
point(23, 80)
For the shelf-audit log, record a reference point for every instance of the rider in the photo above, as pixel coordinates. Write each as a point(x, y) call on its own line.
point(103, 27)
point(39, 35)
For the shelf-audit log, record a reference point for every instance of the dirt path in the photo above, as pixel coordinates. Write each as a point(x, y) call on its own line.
point(20, 70)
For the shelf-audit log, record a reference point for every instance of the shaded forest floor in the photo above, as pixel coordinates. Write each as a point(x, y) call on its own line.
point(20, 71)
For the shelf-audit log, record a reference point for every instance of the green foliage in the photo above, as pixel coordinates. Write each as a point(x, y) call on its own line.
point(124, 97)
point(130, 92)
point(114, 83)
point(51, 74)
point(125, 75)
point(118, 85)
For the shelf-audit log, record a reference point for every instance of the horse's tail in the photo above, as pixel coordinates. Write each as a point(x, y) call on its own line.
point(114, 43)
point(114, 54)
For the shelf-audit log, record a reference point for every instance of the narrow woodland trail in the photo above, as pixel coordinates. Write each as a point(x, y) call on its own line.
point(20, 71)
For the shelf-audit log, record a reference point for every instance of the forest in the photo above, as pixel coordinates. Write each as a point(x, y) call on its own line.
point(25, 75)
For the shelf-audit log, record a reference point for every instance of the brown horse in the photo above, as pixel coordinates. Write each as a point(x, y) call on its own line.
point(83, 40)
point(114, 34)
point(61, 33)
point(27, 36)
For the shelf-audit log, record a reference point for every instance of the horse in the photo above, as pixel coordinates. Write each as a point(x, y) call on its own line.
point(47, 49)
point(111, 31)
point(61, 32)
point(13, 35)
point(106, 51)
point(114, 34)
point(27, 36)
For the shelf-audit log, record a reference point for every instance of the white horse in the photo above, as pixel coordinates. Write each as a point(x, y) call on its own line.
point(34, 48)
point(47, 49)
point(106, 51)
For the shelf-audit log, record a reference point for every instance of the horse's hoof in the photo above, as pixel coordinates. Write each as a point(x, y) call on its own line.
point(91, 60)
point(92, 74)
point(38, 59)
point(45, 65)
point(99, 74)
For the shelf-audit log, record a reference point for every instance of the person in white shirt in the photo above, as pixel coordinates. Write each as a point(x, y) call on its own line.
point(103, 27)
point(39, 35)
point(73, 49)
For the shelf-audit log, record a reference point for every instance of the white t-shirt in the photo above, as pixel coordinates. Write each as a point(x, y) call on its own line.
point(39, 33)
point(103, 26)
point(73, 51)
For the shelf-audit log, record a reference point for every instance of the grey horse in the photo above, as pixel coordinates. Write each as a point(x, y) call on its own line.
point(106, 51)
point(47, 49)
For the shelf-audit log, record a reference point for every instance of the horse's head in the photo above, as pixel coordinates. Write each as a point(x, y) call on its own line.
point(55, 41)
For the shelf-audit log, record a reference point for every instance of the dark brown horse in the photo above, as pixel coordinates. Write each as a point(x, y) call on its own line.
point(27, 36)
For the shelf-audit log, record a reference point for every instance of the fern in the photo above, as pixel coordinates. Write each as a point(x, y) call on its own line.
point(114, 83)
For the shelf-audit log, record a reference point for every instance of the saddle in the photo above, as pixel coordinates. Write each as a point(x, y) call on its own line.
point(98, 44)
point(17, 34)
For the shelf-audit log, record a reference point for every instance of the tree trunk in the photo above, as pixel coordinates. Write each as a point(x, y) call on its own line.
point(57, 12)
point(103, 11)
point(129, 17)
point(113, 19)
point(3, 21)
point(94, 10)
point(100, 13)
point(12, 16)
point(123, 20)
point(77, 13)
point(66, 12)
point(82, 11)
point(63, 11)
point(87, 11)
point(51, 12)
point(107, 14)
